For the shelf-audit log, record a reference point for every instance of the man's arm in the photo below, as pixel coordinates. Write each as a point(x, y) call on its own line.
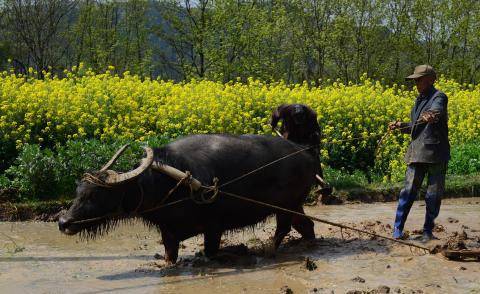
point(440, 104)
point(277, 115)
point(437, 111)
point(403, 127)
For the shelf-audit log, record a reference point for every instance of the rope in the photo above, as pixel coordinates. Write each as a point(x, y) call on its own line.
point(314, 146)
point(380, 142)
point(373, 135)
point(164, 205)
point(389, 131)
point(266, 165)
point(215, 188)
point(92, 179)
point(88, 220)
point(188, 177)
point(207, 189)
point(217, 191)
point(324, 221)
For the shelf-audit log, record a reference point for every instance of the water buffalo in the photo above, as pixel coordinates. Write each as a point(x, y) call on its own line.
point(105, 197)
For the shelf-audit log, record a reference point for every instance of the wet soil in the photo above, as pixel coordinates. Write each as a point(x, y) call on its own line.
point(36, 258)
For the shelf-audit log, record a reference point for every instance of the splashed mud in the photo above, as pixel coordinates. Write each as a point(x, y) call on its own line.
point(36, 258)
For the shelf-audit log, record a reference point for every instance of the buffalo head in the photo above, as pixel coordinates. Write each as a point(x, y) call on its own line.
point(100, 198)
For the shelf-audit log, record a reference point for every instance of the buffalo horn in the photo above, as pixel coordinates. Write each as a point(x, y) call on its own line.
point(114, 158)
point(175, 174)
point(117, 178)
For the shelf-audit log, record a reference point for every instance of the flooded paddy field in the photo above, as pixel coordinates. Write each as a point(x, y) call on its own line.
point(36, 258)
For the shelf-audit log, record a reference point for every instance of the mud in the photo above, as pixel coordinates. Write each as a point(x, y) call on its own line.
point(36, 258)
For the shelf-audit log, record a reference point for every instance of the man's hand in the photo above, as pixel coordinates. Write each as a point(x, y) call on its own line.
point(430, 116)
point(394, 125)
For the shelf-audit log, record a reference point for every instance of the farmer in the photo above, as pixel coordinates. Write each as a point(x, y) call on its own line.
point(300, 125)
point(428, 153)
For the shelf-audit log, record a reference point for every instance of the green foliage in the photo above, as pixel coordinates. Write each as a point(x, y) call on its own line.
point(4, 182)
point(112, 33)
point(45, 174)
point(465, 159)
point(310, 40)
point(4, 52)
point(8, 153)
point(342, 179)
point(223, 40)
point(78, 157)
point(34, 173)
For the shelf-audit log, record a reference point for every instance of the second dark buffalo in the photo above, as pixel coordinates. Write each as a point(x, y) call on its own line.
point(105, 197)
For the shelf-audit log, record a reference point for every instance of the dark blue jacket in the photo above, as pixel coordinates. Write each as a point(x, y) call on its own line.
point(429, 140)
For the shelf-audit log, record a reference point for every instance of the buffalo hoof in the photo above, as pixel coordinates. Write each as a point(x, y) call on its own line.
point(326, 191)
point(330, 199)
point(269, 249)
point(309, 243)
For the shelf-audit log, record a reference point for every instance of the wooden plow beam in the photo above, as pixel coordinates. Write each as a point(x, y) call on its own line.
point(464, 254)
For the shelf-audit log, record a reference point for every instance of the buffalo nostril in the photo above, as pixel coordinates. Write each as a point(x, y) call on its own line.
point(62, 223)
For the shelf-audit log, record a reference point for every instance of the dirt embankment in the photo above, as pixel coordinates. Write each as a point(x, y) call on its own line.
point(470, 187)
point(39, 211)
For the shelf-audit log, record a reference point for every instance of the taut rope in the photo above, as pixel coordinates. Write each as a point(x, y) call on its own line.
point(323, 221)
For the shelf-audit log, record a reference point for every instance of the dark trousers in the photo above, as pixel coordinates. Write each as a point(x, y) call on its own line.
point(414, 176)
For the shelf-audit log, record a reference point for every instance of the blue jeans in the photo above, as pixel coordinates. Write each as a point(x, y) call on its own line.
point(413, 181)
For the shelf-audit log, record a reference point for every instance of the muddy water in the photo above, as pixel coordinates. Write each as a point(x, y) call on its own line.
point(36, 258)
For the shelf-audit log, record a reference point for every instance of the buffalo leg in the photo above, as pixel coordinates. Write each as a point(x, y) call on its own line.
point(303, 225)
point(212, 242)
point(284, 225)
point(171, 245)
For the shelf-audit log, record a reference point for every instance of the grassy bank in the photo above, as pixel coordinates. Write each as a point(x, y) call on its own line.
point(456, 187)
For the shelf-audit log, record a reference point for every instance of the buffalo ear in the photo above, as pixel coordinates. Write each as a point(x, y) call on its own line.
point(77, 182)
